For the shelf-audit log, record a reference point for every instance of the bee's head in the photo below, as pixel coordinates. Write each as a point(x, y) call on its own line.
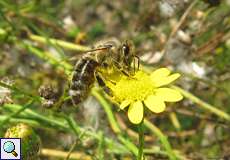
point(127, 52)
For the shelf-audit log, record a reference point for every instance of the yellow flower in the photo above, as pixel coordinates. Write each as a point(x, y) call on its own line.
point(145, 89)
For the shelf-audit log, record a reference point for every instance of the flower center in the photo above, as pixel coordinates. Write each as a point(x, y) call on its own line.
point(133, 88)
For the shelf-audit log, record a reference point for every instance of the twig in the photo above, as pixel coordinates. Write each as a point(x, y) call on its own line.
point(178, 25)
point(62, 154)
point(182, 19)
point(211, 44)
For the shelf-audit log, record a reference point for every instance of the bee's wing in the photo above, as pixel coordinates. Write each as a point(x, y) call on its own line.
point(78, 56)
point(92, 51)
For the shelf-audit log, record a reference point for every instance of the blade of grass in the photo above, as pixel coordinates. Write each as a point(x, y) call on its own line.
point(113, 123)
point(50, 59)
point(64, 44)
point(20, 120)
point(162, 138)
point(7, 119)
point(59, 122)
point(175, 121)
point(106, 106)
point(35, 115)
point(203, 104)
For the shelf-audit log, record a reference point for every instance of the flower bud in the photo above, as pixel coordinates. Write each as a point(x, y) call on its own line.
point(30, 141)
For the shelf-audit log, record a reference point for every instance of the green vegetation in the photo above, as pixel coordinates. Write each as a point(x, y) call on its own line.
point(40, 42)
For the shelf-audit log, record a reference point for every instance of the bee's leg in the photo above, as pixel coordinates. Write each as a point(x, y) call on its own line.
point(134, 66)
point(102, 84)
point(134, 63)
point(125, 72)
point(120, 68)
point(100, 74)
point(138, 61)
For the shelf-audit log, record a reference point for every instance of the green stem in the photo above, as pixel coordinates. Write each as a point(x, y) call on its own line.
point(33, 114)
point(128, 144)
point(59, 122)
point(141, 141)
point(106, 106)
point(162, 138)
point(33, 123)
point(50, 58)
point(64, 44)
point(7, 119)
point(101, 146)
point(203, 104)
point(73, 125)
point(113, 123)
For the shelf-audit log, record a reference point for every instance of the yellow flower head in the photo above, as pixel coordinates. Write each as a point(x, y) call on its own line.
point(144, 88)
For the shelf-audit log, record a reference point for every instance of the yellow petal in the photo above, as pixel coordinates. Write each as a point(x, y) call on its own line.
point(161, 81)
point(124, 104)
point(155, 104)
point(162, 72)
point(135, 112)
point(169, 95)
point(172, 77)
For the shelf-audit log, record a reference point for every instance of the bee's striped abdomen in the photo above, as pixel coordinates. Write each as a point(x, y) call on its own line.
point(83, 79)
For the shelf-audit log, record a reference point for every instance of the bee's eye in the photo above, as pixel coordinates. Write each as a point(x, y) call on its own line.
point(125, 50)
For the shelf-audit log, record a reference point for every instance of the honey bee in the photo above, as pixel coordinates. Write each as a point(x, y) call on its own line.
point(104, 57)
